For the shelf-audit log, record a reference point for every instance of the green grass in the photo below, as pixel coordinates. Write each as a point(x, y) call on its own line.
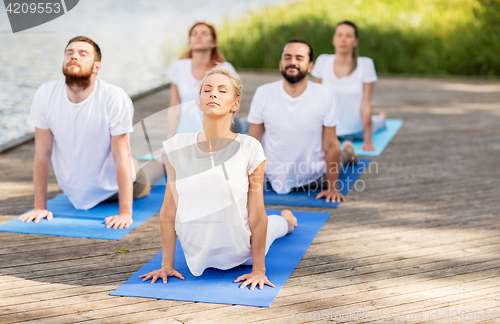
point(402, 36)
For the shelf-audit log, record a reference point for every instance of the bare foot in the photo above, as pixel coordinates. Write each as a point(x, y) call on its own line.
point(383, 115)
point(290, 219)
point(349, 154)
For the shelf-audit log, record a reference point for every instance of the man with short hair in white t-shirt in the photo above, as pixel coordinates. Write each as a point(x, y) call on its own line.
point(299, 119)
point(82, 125)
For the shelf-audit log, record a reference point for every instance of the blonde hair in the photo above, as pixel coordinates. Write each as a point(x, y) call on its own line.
point(235, 80)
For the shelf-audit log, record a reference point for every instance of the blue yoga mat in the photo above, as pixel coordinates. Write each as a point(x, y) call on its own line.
point(72, 222)
point(380, 139)
point(217, 286)
point(347, 180)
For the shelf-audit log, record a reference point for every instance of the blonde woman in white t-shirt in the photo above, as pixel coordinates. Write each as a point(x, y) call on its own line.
point(214, 196)
point(352, 78)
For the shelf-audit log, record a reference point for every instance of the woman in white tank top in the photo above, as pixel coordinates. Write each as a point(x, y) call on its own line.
point(214, 198)
point(352, 79)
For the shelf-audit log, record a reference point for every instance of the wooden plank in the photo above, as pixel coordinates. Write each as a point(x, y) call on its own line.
point(342, 303)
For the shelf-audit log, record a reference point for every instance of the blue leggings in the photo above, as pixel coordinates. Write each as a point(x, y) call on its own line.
point(240, 125)
point(378, 124)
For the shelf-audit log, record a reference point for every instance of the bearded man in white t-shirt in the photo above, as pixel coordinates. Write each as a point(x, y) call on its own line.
point(299, 119)
point(82, 126)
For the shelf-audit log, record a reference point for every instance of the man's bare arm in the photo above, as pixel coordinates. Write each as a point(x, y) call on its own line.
point(41, 170)
point(120, 148)
point(256, 131)
point(331, 147)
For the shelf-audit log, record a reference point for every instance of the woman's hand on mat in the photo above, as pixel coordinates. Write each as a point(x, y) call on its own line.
point(36, 214)
point(331, 196)
point(254, 278)
point(164, 272)
point(119, 221)
point(368, 147)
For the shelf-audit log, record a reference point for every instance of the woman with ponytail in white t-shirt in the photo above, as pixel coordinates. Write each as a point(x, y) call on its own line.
point(352, 79)
point(214, 198)
point(185, 76)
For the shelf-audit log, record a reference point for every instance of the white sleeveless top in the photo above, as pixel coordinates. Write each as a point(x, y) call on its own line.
point(212, 212)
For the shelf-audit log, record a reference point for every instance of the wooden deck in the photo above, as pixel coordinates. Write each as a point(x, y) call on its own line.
point(422, 238)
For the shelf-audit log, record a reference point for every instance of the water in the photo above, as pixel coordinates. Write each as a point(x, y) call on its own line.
point(138, 40)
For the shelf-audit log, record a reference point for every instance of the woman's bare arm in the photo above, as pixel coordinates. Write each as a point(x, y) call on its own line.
point(257, 219)
point(366, 115)
point(168, 236)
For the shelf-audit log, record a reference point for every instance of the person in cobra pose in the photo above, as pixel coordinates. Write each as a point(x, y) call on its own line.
point(186, 74)
point(299, 118)
point(214, 198)
point(352, 78)
point(82, 125)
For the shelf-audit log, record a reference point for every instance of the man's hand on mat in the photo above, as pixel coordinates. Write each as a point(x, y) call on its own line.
point(331, 195)
point(35, 214)
point(164, 273)
point(368, 147)
point(254, 278)
point(119, 221)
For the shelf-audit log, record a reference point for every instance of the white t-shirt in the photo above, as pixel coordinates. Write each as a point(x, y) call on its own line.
point(181, 75)
point(293, 132)
point(81, 152)
point(348, 90)
point(212, 212)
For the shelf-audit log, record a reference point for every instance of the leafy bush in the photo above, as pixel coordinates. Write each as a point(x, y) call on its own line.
point(401, 36)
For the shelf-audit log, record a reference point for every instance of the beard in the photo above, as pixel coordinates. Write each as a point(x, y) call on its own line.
point(294, 78)
point(80, 79)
